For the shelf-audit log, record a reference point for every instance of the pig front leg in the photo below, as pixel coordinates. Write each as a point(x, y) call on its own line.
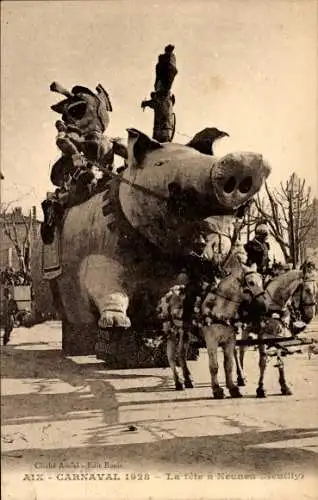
point(101, 278)
point(114, 311)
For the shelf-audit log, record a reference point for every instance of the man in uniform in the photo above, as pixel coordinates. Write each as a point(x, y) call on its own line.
point(257, 249)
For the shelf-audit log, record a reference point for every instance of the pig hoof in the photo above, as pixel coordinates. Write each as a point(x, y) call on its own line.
point(178, 386)
point(112, 318)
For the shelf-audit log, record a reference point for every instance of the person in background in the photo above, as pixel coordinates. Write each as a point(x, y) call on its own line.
point(277, 269)
point(9, 311)
point(257, 249)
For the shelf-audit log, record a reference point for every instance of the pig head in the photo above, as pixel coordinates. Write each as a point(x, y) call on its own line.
point(169, 186)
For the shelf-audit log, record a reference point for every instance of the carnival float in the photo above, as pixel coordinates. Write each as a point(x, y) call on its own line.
point(114, 243)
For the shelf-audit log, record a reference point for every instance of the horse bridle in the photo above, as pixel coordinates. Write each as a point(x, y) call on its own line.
point(272, 298)
point(249, 290)
point(305, 304)
point(241, 282)
point(301, 303)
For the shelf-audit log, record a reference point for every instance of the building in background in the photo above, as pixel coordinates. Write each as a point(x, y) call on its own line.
point(24, 230)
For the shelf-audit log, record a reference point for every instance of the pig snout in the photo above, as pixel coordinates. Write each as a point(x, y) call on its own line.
point(237, 177)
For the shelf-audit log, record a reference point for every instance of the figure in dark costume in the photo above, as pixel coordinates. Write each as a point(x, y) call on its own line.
point(162, 101)
point(81, 140)
point(257, 249)
point(166, 70)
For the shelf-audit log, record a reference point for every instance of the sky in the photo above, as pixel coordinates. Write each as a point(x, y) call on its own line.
point(248, 67)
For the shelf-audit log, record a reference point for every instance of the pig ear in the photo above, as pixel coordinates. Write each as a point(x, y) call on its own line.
point(203, 141)
point(139, 145)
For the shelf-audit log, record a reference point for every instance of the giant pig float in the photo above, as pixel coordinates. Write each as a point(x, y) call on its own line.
point(123, 248)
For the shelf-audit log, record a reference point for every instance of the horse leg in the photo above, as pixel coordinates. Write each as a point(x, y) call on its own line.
point(229, 352)
point(182, 353)
point(171, 355)
point(242, 350)
point(260, 392)
point(242, 353)
point(239, 368)
point(285, 390)
point(211, 340)
point(241, 380)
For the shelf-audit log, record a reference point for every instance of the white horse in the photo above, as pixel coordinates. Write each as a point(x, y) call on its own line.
point(216, 324)
point(295, 286)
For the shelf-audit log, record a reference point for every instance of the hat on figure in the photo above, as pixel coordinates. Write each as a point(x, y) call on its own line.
point(261, 229)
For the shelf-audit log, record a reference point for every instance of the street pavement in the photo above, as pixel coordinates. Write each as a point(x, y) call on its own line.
point(72, 411)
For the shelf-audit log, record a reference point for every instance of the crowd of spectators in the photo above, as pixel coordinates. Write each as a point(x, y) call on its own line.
point(11, 277)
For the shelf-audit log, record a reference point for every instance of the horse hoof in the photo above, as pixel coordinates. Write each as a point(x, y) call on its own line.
point(260, 393)
point(188, 384)
point(218, 393)
point(286, 391)
point(178, 386)
point(235, 392)
point(240, 382)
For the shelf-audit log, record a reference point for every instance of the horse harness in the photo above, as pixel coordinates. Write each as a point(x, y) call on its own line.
point(211, 318)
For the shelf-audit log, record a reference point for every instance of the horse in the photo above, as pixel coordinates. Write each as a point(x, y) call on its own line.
point(295, 288)
point(217, 313)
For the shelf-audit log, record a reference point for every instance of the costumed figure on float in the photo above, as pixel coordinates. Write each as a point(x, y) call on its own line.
point(83, 144)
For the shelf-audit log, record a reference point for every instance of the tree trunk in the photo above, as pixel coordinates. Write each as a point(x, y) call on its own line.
point(291, 230)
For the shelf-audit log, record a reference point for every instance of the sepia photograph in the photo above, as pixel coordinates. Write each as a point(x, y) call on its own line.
point(159, 249)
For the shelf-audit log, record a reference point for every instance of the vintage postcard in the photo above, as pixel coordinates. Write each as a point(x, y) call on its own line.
point(159, 250)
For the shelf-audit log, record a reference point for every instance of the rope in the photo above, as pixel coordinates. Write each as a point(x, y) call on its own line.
point(183, 134)
point(138, 187)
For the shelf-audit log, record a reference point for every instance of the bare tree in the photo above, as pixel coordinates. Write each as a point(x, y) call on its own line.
point(290, 215)
point(245, 223)
point(21, 245)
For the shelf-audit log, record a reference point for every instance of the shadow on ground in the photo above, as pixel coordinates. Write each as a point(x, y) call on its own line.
point(44, 399)
point(226, 453)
